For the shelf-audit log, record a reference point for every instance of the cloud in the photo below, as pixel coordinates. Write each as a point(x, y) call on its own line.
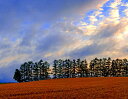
point(7, 73)
point(87, 51)
point(48, 30)
point(108, 35)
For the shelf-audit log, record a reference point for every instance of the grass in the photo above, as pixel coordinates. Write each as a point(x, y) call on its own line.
point(70, 88)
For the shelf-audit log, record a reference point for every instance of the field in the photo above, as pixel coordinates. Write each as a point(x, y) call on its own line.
point(74, 88)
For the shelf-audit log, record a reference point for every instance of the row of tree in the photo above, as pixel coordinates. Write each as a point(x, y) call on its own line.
point(108, 68)
point(105, 67)
point(70, 68)
point(30, 71)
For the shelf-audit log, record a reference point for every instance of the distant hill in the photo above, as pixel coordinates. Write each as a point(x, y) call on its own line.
point(70, 88)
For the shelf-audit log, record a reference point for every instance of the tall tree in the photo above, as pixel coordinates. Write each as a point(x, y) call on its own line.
point(85, 68)
point(74, 68)
point(46, 70)
point(60, 68)
point(78, 69)
point(17, 76)
point(125, 67)
point(22, 71)
point(30, 66)
point(91, 68)
point(55, 68)
point(36, 71)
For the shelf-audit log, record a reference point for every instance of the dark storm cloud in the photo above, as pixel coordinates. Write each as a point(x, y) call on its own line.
point(92, 49)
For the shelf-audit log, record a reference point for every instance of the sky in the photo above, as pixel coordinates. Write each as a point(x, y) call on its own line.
point(31, 30)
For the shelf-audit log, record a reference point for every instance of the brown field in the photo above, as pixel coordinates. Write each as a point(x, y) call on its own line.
point(71, 88)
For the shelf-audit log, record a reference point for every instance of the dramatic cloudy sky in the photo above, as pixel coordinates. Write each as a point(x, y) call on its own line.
point(53, 29)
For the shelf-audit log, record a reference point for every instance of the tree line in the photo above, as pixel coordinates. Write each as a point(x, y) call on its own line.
point(105, 67)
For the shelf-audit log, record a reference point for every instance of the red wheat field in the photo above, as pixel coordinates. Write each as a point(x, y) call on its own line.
point(70, 88)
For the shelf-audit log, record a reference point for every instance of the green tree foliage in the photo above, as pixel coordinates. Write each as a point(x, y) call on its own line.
point(55, 68)
point(69, 68)
point(105, 67)
point(30, 71)
point(17, 76)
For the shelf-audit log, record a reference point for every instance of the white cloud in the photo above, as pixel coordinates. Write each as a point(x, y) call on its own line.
point(115, 4)
point(126, 12)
